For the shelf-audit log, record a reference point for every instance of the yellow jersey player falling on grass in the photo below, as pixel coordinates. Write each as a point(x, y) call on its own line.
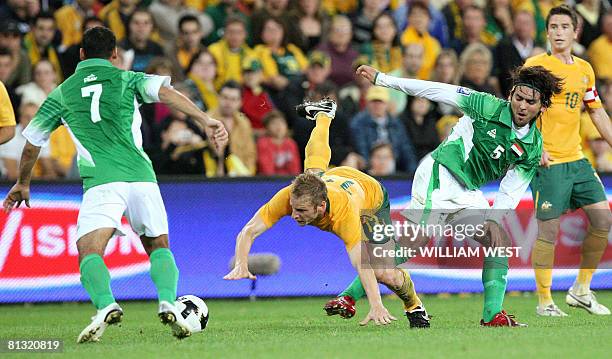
point(566, 180)
point(338, 200)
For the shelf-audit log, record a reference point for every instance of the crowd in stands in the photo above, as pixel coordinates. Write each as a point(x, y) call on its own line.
point(248, 63)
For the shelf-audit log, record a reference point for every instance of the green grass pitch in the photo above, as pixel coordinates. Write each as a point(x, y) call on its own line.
point(298, 328)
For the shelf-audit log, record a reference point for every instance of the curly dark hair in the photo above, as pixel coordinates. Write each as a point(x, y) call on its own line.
point(539, 79)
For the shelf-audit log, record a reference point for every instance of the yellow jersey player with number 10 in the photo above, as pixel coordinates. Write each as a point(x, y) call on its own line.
point(565, 179)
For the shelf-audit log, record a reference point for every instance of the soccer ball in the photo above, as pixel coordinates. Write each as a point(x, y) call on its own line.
point(194, 311)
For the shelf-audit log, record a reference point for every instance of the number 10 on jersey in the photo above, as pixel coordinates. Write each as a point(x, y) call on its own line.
point(96, 90)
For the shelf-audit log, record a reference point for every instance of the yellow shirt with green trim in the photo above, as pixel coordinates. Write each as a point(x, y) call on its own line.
point(431, 50)
point(349, 192)
point(560, 124)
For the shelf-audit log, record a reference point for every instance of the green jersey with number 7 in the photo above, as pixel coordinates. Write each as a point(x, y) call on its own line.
point(99, 107)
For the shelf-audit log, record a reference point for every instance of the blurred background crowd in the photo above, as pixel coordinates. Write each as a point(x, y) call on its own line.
point(249, 62)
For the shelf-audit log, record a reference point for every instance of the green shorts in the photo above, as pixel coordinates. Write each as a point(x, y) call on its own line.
point(566, 186)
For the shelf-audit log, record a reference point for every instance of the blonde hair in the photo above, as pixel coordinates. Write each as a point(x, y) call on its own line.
point(471, 50)
point(310, 185)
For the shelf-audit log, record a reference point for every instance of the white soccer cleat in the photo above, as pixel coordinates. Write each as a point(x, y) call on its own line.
point(550, 310)
point(169, 315)
point(309, 110)
point(109, 315)
point(587, 302)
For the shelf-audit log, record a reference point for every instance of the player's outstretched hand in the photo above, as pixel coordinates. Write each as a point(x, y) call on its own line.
point(217, 133)
point(380, 315)
point(367, 72)
point(239, 272)
point(19, 193)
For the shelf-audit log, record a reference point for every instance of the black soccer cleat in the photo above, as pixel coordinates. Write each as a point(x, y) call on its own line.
point(418, 317)
point(309, 110)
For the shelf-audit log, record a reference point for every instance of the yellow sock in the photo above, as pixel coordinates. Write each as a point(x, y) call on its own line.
point(318, 152)
point(407, 292)
point(542, 260)
point(593, 247)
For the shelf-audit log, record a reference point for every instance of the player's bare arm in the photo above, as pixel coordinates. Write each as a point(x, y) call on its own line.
point(177, 101)
point(378, 313)
point(601, 120)
point(244, 241)
point(6, 133)
point(21, 190)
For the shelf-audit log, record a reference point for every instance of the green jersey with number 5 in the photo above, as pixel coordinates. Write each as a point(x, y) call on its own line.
point(485, 144)
point(99, 107)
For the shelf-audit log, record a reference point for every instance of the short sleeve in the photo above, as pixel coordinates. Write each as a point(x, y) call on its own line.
point(147, 86)
point(276, 208)
point(591, 97)
point(7, 115)
point(46, 120)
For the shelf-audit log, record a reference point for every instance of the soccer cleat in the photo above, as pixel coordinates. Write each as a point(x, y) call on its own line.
point(309, 110)
point(502, 319)
point(344, 306)
point(109, 315)
point(586, 301)
point(169, 315)
point(550, 310)
point(418, 317)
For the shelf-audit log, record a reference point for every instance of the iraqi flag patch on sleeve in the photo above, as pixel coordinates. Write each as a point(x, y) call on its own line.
point(517, 149)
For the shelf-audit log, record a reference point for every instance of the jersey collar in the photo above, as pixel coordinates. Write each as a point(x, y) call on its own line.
point(506, 118)
point(94, 62)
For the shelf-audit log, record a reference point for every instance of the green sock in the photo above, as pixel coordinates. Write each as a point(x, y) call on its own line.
point(494, 281)
point(96, 280)
point(355, 290)
point(164, 274)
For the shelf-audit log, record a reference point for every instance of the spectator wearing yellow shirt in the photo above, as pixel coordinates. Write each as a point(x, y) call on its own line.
point(231, 50)
point(7, 116)
point(417, 33)
point(601, 49)
point(70, 21)
point(116, 14)
point(243, 158)
point(201, 75)
point(281, 60)
point(384, 51)
point(38, 42)
point(189, 40)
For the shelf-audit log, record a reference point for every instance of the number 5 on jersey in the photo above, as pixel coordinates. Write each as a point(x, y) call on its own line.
point(497, 152)
point(95, 100)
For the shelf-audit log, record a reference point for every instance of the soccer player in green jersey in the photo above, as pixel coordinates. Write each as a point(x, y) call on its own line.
point(495, 138)
point(98, 105)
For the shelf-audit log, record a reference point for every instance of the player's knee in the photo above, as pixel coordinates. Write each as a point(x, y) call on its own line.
point(548, 230)
point(386, 276)
point(94, 242)
point(152, 243)
point(601, 221)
